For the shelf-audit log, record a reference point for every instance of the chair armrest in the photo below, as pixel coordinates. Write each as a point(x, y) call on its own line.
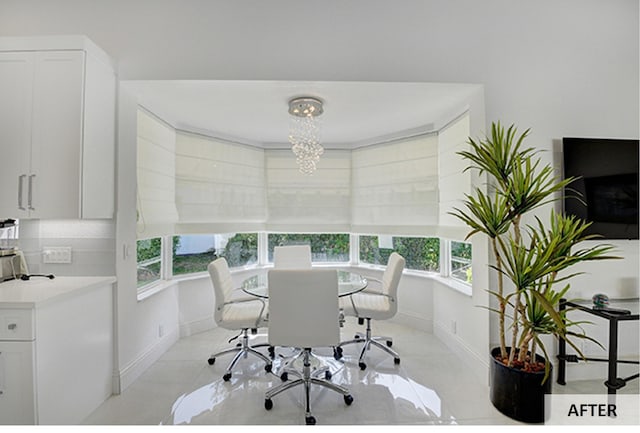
point(249, 299)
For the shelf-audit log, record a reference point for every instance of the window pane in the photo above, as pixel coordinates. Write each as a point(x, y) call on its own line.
point(149, 256)
point(422, 254)
point(193, 253)
point(461, 261)
point(325, 247)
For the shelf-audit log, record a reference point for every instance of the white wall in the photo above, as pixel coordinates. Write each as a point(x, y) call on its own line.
point(145, 329)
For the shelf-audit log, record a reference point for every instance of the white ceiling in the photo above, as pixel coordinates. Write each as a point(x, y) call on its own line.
point(255, 112)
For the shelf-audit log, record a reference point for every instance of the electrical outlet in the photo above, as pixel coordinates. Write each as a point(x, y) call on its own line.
point(56, 255)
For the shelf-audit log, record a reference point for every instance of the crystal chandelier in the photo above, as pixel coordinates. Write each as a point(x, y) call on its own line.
point(304, 132)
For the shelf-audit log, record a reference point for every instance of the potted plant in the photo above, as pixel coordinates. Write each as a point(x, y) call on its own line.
point(531, 261)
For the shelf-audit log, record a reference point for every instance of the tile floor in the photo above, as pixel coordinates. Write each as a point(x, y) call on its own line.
point(431, 386)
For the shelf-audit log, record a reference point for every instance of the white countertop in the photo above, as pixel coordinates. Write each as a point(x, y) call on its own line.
point(40, 291)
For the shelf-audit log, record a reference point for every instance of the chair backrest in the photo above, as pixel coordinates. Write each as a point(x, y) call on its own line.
point(392, 274)
point(222, 284)
point(292, 257)
point(303, 308)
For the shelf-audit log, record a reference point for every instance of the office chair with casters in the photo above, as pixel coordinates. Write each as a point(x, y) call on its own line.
point(303, 308)
point(292, 257)
point(378, 305)
point(235, 313)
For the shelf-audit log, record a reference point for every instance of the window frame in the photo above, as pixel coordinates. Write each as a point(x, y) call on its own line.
point(167, 278)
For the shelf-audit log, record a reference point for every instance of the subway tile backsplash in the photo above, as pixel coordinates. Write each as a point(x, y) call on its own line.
point(92, 245)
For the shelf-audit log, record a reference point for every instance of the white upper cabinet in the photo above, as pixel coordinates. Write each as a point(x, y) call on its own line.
point(57, 133)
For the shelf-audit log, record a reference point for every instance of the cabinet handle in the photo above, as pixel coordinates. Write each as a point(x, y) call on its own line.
point(12, 326)
point(20, 188)
point(30, 199)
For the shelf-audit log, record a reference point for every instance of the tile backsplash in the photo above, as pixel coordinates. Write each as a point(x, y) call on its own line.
point(92, 245)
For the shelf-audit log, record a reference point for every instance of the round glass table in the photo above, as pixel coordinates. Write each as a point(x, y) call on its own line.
point(348, 284)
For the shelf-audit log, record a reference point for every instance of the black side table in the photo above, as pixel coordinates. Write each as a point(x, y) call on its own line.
point(613, 382)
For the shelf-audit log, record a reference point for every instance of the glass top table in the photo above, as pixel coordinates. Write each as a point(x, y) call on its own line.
point(348, 284)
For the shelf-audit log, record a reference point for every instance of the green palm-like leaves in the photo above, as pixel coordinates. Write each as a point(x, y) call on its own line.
point(483, 214)
point(535, 259)
point(497, 154)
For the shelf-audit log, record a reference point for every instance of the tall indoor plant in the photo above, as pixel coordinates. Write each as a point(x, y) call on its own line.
point(531, 260)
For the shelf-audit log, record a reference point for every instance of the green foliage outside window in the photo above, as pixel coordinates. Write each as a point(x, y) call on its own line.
point(422, 254)
point(241, 250)
point(325, 247)
point(149, 260)
point(461, 261)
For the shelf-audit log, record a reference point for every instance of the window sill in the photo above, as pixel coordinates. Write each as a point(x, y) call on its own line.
point(453, 284)
point(153, 288)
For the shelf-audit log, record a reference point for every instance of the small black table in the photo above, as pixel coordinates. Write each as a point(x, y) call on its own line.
point(613, 382)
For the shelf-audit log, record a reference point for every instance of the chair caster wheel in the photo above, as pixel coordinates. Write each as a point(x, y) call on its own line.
point(348, 399)
point(272, 352)
point(268, 404)
point(337, 353)
point(327, 375)
point(238, 344)
point(389, 343)
point(267, 368)
point(211, 361)
point(362, 365)
point(226, 377)
point(396, 361)
point(357, 337)
point(309, 420)
point(284, 376)
point(360, 321)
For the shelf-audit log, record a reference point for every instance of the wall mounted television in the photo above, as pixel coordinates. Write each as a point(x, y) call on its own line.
point(606, 191)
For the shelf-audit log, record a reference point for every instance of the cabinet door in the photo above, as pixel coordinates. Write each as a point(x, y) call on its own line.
point(54, 183)
point(16, 383)
point(16, 84)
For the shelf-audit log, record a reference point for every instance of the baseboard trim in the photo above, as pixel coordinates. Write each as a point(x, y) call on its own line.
point(478, 364)
point(187, 329)
point(132, 371)
point(414, 322)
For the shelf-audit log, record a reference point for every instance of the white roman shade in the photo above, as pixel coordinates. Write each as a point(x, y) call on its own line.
point(455, 182)
point(319, 202)
point(156, 177)
point(395, 187)
point(220, 186)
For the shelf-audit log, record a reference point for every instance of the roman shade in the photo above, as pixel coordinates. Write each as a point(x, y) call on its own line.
point(220, 185)
point(156, 205)
point(395, 187)
point(309, 203)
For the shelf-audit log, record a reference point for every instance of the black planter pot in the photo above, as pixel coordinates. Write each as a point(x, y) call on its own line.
point(518, 394)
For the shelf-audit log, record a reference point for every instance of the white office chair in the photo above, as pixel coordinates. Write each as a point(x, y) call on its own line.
point(235, 313)
point(378, 305)
point(304, 313)
point(292, 257)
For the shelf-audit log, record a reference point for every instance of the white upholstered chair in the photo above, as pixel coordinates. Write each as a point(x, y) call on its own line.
point(235, 313)
point(292, 257)
point(303, 308)
point(378, 305)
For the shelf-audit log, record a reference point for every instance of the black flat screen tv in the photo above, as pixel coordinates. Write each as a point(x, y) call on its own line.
point(606, 190)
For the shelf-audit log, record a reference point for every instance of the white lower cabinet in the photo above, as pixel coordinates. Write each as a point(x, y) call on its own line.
point(56, 358)
point(16, 382)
